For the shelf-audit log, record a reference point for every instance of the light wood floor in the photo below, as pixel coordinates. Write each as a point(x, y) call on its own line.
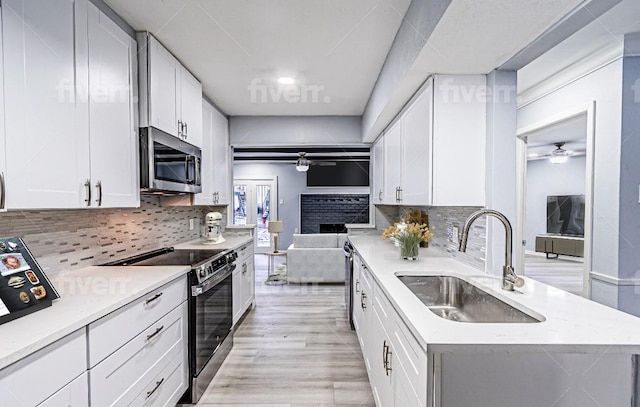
point(295, 349)
point(565, 272)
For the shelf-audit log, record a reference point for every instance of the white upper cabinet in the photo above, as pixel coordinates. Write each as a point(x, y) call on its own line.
point(191, 108)
point(392, 163)
point(3, 165)
point(216, 178)
point(459, 137)
point(221, 159)
point(377, 153)
point(46, 111)
point(170, 97)
point(439, 132)
point(206, 196)
point(416, 150)
point(164, 85)
point(112, 113)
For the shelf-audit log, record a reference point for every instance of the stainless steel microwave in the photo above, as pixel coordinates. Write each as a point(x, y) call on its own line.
point(168, 164)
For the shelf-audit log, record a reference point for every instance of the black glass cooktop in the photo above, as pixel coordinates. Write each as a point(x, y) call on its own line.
point(169, 257)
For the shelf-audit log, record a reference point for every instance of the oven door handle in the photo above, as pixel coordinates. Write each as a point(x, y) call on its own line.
point(200, 289)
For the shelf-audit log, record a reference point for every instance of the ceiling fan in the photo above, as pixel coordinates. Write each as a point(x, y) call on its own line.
point(303, 163)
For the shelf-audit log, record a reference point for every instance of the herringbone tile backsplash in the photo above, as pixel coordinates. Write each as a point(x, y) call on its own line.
point(72, 239)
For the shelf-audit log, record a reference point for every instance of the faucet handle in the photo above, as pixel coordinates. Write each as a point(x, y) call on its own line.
point(519, 282)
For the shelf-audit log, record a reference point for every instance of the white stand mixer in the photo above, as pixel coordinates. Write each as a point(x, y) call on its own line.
point(213, 222)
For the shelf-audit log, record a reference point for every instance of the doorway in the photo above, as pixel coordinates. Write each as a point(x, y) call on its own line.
point(555, 195)
point(255, 202)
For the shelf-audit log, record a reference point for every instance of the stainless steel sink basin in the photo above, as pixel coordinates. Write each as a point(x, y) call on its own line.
point(457, 300)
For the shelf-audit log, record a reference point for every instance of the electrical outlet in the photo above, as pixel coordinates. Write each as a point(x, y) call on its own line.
point(192, 223)
point(295, 230)
point(455, 234)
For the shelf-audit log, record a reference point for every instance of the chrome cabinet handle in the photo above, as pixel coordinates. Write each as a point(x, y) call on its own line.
point(380, 195)
point(363, 299)
point(387, 358)
point(180, 128)
point(152, 299)
point(157, 331)
point(99, 188)
point(158, 384)
point(400, 190)
point(87, 185)
point(384, 354)
point(244, 268)
point(3, 191)
point(186, 131)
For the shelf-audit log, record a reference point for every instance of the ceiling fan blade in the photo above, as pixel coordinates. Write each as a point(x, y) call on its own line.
point(323, 163)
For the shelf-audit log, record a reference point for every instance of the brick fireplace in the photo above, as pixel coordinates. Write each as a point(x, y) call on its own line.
point(332, 211)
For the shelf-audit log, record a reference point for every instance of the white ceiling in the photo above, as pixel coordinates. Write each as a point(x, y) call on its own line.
point(607, 30)
point(334, 48)
point(573, 132)
point(475, 37)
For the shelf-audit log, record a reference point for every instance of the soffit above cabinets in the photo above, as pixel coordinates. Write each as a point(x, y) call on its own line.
point(237, 49)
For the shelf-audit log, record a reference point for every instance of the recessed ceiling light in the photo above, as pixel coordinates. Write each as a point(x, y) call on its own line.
point(286, 80)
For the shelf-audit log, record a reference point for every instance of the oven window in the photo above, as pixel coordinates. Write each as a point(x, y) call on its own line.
point(173, 165)
point(214, 318)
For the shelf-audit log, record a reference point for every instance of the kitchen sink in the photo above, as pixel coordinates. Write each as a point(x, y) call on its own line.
point(457, 300)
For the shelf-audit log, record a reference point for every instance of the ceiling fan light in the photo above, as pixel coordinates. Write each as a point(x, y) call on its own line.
point(302, 165)
point(559, 155)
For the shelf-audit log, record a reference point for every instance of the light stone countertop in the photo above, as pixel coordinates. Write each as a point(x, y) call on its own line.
point(86, 295)
point(231, 242)
point(572, 323)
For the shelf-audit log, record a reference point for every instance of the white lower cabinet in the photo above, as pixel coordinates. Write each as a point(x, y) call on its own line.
point(243, 282)
point(39, 378)
point(74, 394)
point(396, 364)
point(145, 344)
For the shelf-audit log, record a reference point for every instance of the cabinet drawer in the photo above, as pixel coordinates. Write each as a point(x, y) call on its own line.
point(33, 379)
point(383, 309)
point(74, 394)
point(121, 377)
point(114, 330)
point(244, 253)
point(412, 358)
point(165, 388)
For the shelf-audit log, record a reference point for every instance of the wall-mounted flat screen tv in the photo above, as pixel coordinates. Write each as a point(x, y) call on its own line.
point(565, 215)
point(342, 174)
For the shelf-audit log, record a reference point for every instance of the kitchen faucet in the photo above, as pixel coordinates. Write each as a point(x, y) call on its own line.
point(509, 278)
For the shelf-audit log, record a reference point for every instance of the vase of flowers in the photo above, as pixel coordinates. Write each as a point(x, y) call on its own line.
point(409, 237)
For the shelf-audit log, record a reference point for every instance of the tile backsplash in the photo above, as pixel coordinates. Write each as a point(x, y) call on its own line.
point(72, 239)
point(443, 219)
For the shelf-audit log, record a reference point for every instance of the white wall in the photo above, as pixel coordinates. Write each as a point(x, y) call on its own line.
point(544, 179)
point(604, 86)
point(291, 184)
point(266, 131)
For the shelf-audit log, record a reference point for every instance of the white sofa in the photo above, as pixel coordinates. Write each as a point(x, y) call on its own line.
point(316, 258)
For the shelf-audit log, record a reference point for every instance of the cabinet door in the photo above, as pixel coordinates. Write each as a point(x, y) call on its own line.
point(392, 163)
point(237, 289)
point(221, 152)
point(207, 165)
point(3, 166)
point(191, 107)
point(46, 111)
point(377, 189)
point(416, 150)
point(381, 354)
point(113, 128)
point(248, 285)
point(74, 394)
point(164, 82)
point(403, 394)
point(459, 133)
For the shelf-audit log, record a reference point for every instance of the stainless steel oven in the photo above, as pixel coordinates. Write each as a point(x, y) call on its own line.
point(210, 327)
point(168, 164)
